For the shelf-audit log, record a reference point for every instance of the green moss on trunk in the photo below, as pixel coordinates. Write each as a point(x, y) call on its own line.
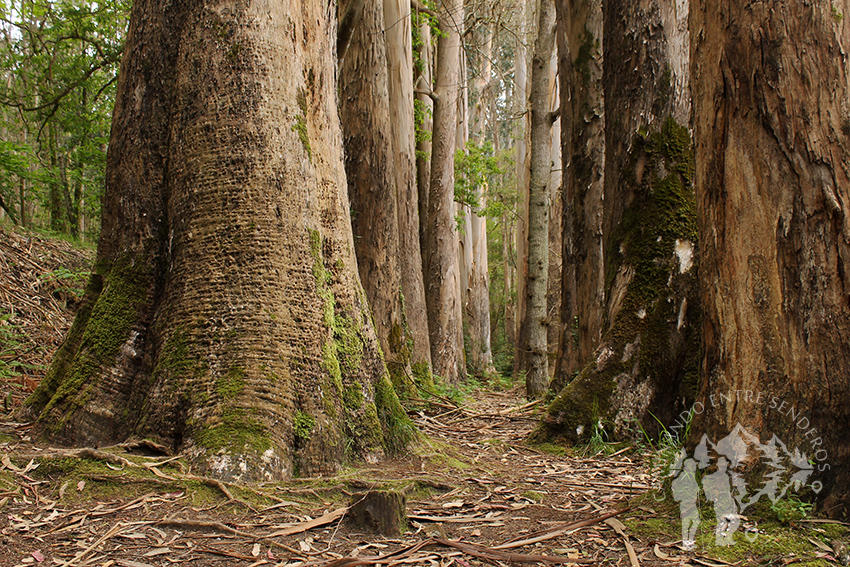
point(651, 348)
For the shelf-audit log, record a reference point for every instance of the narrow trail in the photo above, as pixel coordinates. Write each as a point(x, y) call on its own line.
point(476, 494)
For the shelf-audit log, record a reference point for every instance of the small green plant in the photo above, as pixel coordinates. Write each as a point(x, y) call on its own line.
point(12, 339)
point(791, 509)
point(71, 281)
point(837, 16)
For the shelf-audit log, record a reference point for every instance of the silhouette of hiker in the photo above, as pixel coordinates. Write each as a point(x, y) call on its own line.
point(685, 492)
point(718, 489)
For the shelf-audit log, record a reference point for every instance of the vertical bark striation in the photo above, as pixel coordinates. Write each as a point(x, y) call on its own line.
point(397, 23)
point(226, 318)
point(440, 255)
point(370, 171)
point(772, 124)
point(583, 137)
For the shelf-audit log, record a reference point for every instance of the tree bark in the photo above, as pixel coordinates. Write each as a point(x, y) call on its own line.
point(771, 127)
point(423, 81)
point(644, 370)
point(583, 138)
point(397, 23)
point(225, 318)
point(370, 166)
point(442, 280)
point(537, 360)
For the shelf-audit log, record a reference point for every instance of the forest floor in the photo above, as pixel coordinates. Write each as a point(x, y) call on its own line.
point(475, 492)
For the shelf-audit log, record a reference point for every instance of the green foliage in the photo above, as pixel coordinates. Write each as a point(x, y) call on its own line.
point(70, 281)
point(791, 509)
point(59, 62)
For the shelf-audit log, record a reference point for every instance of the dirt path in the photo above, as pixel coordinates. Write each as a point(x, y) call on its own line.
point(476, 494)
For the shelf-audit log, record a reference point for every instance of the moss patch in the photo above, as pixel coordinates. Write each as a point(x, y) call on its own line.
point(398, 431)
point(236, 433)
point(116, 309)
point(644, 342)
point(303, 424)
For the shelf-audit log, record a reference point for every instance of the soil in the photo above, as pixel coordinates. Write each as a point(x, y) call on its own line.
point(476, 493)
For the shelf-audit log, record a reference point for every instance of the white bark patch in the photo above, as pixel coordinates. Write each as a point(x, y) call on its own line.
point(685, 252)
point(641, 313)
point(683, 308)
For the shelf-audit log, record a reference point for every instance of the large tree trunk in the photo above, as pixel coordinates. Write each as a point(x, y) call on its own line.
point(772, 132)
point(537, 359)
point(224, 317)
point(583, 139)
point(442, 280)
point(397, 23)
point(370, 166)
point(645, 368)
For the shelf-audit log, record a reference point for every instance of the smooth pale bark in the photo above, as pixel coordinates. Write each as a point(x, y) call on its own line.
point(224, 318)
point(772, 138)
point(440, 254)
point(583, 138)
point(522, 158)
point(369, 167)
point(423, 79)
point(478, 284)
point(537, 323)
point(397, 26)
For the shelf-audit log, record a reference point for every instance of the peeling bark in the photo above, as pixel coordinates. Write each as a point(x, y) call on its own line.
point(772, 131)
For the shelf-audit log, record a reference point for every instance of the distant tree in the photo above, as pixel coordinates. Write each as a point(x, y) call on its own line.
point(224, 317)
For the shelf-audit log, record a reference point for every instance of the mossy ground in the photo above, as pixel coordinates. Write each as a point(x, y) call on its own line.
point(657, 516)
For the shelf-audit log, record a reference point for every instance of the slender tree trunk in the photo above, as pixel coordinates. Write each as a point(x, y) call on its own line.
point(442, 280)
point(423, 81)
point(397, 23)
point(523, 167)
point(225, 318)
point(369, 165)
point(556, 219)
point(478, 299)
point(537, 369)
point(772, 138)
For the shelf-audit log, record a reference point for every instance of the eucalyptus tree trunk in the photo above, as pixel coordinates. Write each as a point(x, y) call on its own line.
point(644, 370)
point(583, 139)
point(224, 318)
point(440, 254)
point(523, 167)
point(478, 286)
point(370, 167)
point(537, 359)
point(556, 217)
point(772, 138)
point(423, 81)
point(398, 34)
